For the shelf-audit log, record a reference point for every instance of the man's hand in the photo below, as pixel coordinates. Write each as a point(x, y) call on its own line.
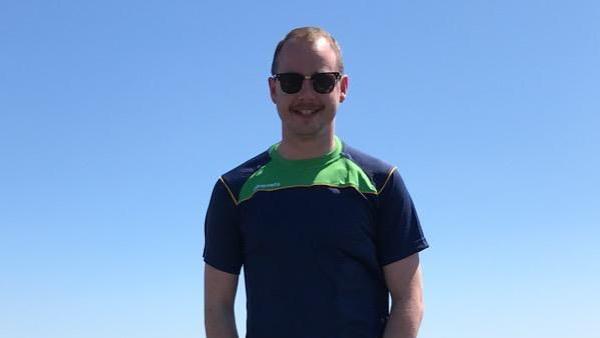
point(219, 295)
point(403, 279)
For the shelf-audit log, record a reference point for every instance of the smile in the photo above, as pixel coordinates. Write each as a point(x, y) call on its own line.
point(305, 112)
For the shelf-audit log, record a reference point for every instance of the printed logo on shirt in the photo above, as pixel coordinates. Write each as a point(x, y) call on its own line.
point(267, 186)
point(334, 190)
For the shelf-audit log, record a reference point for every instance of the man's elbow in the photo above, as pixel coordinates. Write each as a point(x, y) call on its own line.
point(219, 320)
point(409, 299)
point(419, 309)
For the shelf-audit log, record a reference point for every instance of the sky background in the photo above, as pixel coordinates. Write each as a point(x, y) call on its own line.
point(117, 117)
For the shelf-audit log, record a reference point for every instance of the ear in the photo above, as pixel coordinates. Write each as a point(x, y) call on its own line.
point(344, 81)
point(273, 89)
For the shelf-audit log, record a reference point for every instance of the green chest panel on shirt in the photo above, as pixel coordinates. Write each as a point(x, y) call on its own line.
point(331, 169)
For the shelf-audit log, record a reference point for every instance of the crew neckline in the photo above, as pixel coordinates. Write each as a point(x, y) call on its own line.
point(308, 162)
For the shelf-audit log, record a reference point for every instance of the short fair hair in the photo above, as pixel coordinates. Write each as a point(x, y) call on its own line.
point(310, 34)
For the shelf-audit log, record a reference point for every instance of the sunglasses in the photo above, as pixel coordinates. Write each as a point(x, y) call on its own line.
point(323, 83)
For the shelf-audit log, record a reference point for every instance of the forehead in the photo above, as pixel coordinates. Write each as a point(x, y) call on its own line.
point(307, 57)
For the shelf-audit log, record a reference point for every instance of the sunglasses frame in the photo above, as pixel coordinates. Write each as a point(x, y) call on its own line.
point(337, 76)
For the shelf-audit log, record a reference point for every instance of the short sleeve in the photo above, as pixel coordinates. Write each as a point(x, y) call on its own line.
point(399, 232)
point(223, 245)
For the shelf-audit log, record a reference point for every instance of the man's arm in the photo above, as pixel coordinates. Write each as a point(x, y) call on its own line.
point(219, 295)
point(403, 279)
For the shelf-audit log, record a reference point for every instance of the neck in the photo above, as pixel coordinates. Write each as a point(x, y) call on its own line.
point(300, 149)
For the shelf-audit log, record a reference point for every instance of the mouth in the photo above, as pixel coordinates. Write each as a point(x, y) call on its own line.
point(305, 111)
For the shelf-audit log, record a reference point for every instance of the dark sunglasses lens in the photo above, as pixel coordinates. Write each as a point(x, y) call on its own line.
point(324, 83)
point(291, 83)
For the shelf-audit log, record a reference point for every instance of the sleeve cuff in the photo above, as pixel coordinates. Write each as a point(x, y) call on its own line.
point(418, 246)
point(232, 269)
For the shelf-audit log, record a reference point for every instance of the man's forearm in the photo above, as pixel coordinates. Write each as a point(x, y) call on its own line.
point(220, 323)
point(405, 319)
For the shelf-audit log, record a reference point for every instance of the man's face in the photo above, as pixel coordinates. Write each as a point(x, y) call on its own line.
point(307, 114)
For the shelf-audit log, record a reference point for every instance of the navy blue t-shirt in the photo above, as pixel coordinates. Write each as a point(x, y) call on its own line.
point(313, 236)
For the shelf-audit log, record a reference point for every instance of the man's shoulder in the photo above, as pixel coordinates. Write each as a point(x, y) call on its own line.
point(365, 161)
point(236, 177)
point(378, 170)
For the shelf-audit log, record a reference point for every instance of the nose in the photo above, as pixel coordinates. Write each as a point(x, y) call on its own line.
point(307, 89)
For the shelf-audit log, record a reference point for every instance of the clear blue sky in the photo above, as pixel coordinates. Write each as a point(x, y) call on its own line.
point(117, 117)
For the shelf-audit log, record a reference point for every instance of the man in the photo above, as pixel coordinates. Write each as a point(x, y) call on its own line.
point(325, 233)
